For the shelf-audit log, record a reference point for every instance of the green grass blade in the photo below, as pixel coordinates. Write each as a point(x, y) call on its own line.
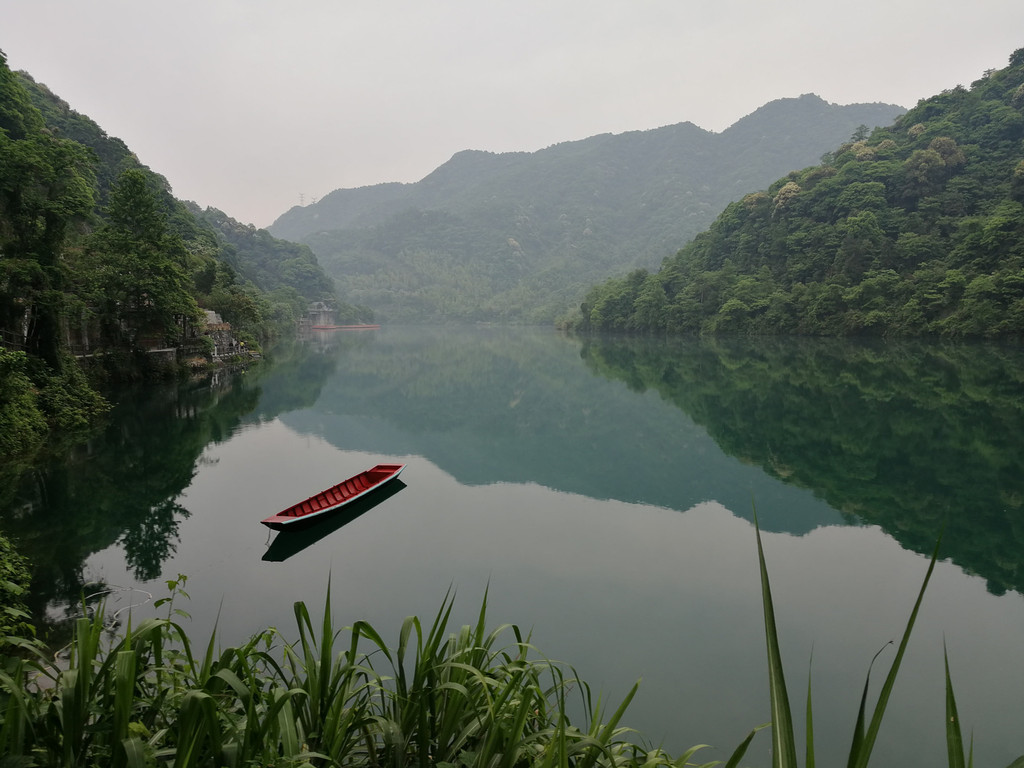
point(954, 736)
point(741, 750)
point(858, 729)
point(864, 751)
point(809, 748)
point(21, 710)
point(135, 753)
point(607, 732)
point(684, 759)
point(783, 741)
point(287, 733)
point(124, 698)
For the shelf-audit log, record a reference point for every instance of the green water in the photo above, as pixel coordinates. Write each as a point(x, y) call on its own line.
point(604, 492)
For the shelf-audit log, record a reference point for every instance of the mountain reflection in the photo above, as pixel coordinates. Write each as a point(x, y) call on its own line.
point(910, 436)
point(515, 405)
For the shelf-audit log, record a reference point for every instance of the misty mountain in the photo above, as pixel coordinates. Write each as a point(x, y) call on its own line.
point(915, 229)
point(520, 236)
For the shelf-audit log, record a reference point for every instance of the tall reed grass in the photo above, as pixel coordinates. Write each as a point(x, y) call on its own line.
point(330, 697)
point(865, 732)
point(463, 697)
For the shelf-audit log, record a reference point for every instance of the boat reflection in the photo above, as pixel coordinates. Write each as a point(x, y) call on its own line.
point(288, 543)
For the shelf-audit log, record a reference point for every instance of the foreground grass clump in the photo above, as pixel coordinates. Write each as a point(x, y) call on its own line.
point(344, 698)
point(784, 745)
point(332, 697)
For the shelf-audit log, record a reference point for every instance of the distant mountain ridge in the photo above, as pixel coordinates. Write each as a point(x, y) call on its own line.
point(520, 235)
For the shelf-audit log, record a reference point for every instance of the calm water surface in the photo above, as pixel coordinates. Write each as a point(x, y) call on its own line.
point(603, 492)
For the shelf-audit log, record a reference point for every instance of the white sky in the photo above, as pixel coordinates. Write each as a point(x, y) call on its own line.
point(246, 104)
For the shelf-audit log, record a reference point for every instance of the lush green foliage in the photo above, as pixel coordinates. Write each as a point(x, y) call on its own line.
point(14, 582)
point(288, 272)
point(46, 188)
point(917, 229)
point(267, 261)
point(46, 194)
point(96, 255)
point(22, 423)
point(133, 272)
point(520, 236)
point(331, 697)
point(176, 252)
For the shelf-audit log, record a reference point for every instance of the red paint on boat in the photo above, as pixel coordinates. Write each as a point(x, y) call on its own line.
point(335, 497)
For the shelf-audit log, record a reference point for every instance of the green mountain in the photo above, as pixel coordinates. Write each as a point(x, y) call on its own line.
point(289, 272)
point(520, 236)
point(915, 229)
point(96, 255)
point(246, 257)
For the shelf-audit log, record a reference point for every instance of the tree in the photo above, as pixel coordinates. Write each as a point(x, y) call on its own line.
point(649, 305)
point(45, 187)
point(137, 280)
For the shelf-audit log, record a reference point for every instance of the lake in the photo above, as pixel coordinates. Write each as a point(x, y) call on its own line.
point(602, 493)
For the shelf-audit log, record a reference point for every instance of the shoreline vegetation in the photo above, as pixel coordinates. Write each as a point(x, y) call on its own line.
point(143, 694)
point(107, 278)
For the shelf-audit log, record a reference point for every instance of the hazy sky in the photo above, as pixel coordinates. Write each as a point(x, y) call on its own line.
point(246, 104)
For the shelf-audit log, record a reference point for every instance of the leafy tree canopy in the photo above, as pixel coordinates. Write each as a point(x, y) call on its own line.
point(97, 254)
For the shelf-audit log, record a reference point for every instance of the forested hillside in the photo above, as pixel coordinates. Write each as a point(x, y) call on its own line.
point(250, 278)
point(917, 228)
point(97, 257)
point(520, 236)
point(289, 272)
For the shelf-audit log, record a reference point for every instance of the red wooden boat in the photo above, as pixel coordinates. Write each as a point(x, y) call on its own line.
point(334, 498)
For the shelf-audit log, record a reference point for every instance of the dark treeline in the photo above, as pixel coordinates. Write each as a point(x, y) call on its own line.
point(97, 257)
point(914, 229)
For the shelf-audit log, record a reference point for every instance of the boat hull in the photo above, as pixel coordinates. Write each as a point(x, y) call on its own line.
point(333, 499)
